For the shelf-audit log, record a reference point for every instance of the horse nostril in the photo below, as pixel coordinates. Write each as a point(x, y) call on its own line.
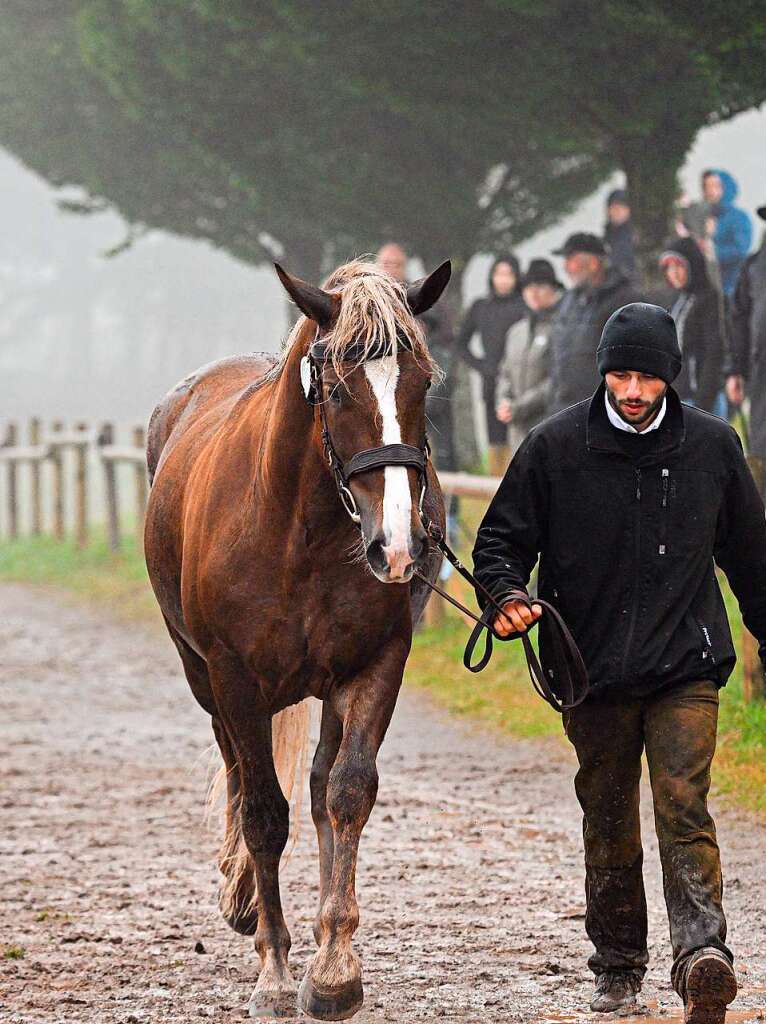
point(376, 556)
point(418, 548)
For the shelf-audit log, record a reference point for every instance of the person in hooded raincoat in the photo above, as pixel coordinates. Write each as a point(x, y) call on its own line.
point(733, 232)
point(700, 323)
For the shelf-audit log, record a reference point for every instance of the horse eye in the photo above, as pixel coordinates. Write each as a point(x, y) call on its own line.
point(336, 394)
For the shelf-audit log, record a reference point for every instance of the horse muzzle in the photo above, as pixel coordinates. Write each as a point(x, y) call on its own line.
point(396, 563)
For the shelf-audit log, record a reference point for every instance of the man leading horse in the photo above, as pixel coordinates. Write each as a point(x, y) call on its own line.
point(630, 499)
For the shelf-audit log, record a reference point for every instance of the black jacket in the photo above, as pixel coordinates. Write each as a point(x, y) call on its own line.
point(700, 323)
point(576, 333)
point(490, 318)
point(627, 528)
point(748, 342)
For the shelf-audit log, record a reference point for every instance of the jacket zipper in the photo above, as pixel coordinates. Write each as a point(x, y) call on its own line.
point(664, 518)
point(636, 576)
point(708, 651)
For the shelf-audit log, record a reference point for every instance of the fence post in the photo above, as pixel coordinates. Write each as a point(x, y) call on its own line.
point(11, 440)
point(142, 487)
point(106, 437)
point(81, 488)
point(59, 517)
point(36, 472)
point(753, 687)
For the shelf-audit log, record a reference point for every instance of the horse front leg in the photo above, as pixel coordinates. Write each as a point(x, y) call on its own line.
point(330, 736)
point(332, 987)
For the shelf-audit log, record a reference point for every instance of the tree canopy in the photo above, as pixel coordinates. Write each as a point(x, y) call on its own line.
point(326, 128)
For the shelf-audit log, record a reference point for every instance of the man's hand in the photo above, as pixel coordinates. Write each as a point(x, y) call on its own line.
point(735, 389)
point(504, 412)
point(516, 618)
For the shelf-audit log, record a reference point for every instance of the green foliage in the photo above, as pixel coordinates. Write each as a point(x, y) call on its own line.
point(13, 952)
point(317, 126)
point(328, 127)
point(118, 581)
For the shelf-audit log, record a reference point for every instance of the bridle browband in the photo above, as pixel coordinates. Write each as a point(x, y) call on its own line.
point(570, 667)
point(371, 458)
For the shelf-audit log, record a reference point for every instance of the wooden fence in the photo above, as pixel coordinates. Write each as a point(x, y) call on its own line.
point(43, 455)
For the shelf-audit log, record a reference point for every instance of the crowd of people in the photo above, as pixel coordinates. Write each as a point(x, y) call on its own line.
point(538, 338)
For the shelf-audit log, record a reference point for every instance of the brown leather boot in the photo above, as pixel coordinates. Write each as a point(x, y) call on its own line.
point(709, 986)
point(614, 990)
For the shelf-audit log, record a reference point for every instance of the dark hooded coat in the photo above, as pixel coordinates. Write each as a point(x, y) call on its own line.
point(491, 317)
point(700, 324)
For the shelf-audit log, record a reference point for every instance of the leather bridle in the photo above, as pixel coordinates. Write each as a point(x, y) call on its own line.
point(569, 668)
point(370, 458)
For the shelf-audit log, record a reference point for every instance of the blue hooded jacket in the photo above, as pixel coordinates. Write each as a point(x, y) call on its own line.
point(733, 235)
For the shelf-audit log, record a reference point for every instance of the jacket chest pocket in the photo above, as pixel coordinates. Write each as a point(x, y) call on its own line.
point(687, 512)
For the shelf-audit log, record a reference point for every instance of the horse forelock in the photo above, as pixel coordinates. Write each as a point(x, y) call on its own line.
point(373, 315)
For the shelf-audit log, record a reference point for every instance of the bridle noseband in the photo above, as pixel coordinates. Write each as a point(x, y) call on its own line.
point(312, 366)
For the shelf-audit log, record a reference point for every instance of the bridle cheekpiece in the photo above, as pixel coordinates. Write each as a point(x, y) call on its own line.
point(312, 366)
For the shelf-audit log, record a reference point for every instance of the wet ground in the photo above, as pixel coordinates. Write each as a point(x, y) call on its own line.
point(470, 880)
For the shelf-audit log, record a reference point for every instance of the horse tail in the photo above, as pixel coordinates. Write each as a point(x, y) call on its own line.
point(239, 896)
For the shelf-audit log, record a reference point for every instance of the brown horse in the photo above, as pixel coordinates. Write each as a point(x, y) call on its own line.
point(285, 495)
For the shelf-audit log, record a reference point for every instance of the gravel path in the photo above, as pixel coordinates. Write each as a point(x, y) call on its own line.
point(470, 880)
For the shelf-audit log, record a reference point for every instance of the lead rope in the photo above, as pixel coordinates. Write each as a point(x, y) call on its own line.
point(569, 671)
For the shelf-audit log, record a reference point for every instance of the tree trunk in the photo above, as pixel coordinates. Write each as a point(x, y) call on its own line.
point(651, 171)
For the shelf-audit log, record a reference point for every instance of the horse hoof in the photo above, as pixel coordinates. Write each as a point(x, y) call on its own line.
point(338, 1004)
point(271, 1005)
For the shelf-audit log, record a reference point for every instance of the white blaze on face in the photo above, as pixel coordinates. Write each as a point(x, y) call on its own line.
point(383, 375)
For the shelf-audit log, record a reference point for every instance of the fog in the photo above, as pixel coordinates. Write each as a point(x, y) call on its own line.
point(84, 335)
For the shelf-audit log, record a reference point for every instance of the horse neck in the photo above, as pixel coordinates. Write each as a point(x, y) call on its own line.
point(291, 463)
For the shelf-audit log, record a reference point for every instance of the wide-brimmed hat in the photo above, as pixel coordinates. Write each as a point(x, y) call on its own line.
point(540, 272)
point(581, 241)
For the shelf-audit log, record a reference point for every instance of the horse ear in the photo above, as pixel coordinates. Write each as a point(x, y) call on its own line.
point(424, 293)
point(320, 306)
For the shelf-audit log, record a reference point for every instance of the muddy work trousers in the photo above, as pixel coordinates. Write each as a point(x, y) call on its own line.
point(677, 728)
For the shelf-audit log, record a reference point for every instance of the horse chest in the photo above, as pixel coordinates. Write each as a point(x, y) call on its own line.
point(324, 638)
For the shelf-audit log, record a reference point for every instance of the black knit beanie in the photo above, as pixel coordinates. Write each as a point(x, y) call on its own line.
point(640, 337)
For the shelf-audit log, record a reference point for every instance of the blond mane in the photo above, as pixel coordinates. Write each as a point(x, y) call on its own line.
point(373, 314)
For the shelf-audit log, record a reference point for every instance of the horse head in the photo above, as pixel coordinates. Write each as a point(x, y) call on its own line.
point(367, 370)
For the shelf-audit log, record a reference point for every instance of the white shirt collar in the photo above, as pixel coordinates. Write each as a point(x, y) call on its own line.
point(619, 423)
